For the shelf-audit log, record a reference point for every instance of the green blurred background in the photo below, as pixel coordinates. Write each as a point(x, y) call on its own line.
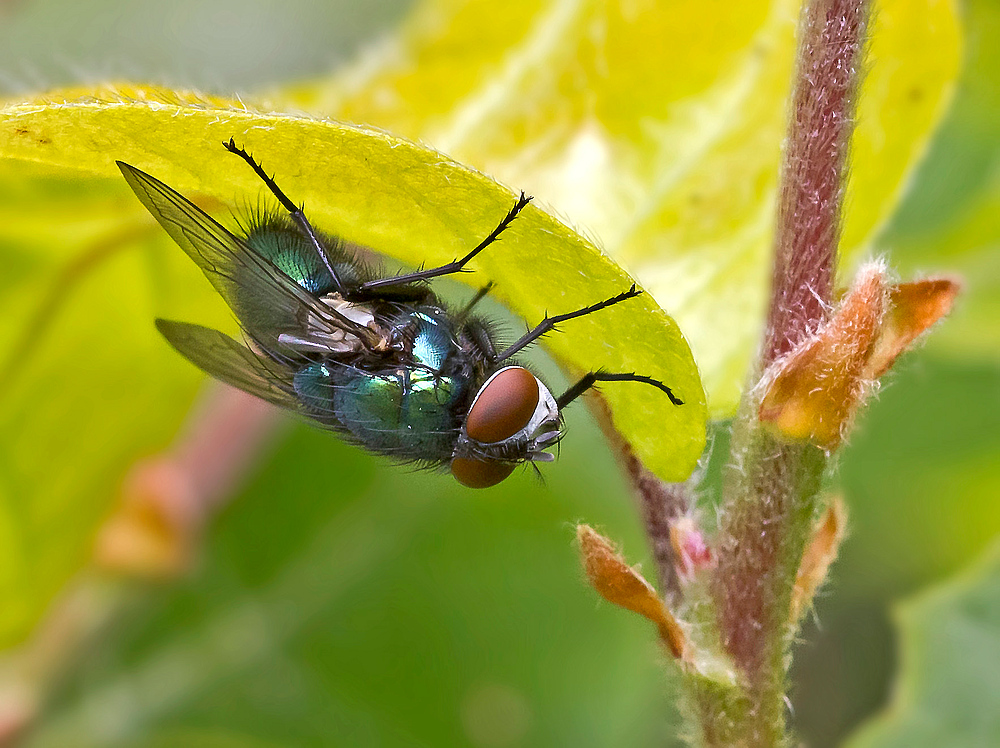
point(345, 602)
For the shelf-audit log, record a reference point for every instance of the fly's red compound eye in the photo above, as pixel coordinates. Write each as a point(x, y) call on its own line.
point(474, 473)
point(503, 406)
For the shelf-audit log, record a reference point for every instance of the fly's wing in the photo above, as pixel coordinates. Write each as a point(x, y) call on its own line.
point(232, 362)
point(236, 270)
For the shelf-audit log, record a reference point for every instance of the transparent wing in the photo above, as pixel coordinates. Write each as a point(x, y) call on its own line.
point(236, 270)
point(219, 355)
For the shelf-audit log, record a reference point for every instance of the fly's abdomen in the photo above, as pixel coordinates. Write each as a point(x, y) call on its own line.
point(406, 413)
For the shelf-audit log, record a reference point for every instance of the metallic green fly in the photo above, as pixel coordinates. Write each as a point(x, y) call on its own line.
point(379, 360)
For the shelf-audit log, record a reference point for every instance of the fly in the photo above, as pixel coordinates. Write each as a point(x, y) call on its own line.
point(379, 360)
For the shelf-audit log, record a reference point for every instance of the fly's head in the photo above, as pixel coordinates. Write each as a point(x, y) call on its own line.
point(513, 419)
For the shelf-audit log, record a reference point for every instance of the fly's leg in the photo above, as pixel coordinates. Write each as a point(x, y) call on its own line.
point(294, 211)
point(480, 295)
point(549, 323)
point(591, 379)
point(455, 266)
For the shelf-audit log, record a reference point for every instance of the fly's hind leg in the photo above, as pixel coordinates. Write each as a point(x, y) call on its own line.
point(295, 211)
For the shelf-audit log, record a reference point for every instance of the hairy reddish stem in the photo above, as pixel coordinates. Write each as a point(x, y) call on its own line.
point(813, 178)
point(771, 486)
point(660, 503)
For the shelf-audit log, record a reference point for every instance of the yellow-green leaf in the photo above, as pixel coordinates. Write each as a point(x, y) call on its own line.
point(655, 126)
point(86, 384)
point(404, 201)
point(85, 387)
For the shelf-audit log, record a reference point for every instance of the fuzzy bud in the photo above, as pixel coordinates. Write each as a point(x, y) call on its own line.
point(691, 552)
point(813, 392)
point(819, 555)
point(619, 583)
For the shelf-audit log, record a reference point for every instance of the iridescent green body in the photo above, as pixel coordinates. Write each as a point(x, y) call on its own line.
point(411, 409)
point(406, 410)
point(273, 238)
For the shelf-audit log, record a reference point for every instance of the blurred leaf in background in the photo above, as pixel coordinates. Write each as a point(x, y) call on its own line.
point(342, 601)
point(950, 640)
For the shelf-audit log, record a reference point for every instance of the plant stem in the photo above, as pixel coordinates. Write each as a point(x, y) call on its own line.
point(659, 503)
point(770, 492)
point(814, 175)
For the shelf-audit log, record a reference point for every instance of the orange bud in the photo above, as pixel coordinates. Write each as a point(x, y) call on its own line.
point(619, 583)
point(153, 534)
point(814, 390)
point(819, 556)
point(913, 307)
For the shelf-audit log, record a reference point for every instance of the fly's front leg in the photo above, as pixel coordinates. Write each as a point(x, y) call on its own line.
point(589, 380)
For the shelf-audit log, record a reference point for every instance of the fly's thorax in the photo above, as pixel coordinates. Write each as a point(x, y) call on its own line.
point(513, 418)
point(409, 402)
point(283, 243)
point(425, 335)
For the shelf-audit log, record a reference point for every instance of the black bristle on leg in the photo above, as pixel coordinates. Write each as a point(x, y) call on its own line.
point(455, 266)
point(549, 323)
